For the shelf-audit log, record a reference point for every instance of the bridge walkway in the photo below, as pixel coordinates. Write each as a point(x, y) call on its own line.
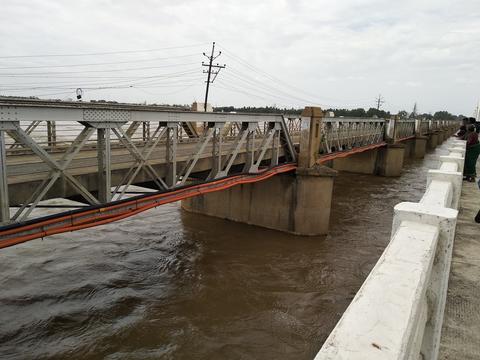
point(461, 326)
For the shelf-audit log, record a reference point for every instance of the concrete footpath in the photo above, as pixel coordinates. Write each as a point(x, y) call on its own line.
point(461, 325)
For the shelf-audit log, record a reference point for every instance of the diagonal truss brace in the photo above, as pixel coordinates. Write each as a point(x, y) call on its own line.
point(240, 139)
point(127, 142)
point(192, 161)
point(139, 164)
point(58, 169)
point(273, 130)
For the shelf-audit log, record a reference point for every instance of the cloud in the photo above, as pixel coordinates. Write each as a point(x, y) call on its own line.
point(317, 52)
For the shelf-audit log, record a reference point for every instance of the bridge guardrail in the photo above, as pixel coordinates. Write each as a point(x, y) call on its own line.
point(340, 134)
point(398, 311)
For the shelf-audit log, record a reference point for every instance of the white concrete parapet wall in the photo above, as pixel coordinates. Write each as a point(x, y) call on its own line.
point(398, 311)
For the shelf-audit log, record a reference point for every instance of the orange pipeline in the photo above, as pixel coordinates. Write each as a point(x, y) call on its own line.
point(102, 218)
point(342, 154)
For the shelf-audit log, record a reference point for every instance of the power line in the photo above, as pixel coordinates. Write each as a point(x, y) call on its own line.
point(139, 81)
point(97, 71)
point(102, 53)
point(95, 64)
point(271, 77)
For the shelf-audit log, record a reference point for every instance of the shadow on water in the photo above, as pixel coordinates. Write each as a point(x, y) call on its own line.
point(173, 285)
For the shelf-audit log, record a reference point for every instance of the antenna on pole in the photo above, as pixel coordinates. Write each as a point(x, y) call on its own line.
point(379, 101)
point(210, 72)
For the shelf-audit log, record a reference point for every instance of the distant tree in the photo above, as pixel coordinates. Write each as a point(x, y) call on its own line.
point(258, 109)
point(443, 115)
point(426, 116)
point(378, 113)
point(402, 114)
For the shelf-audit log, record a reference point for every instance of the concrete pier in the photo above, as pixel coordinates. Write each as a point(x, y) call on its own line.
point(362, 163)
point(295, 203)
point(385, 161)
point(461, 325)
point(390, 160)
point(420, 146)
point(432, 141)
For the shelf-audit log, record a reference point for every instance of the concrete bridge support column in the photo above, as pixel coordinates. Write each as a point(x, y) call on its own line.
point(441, 137)
point(409, 148)
point(420, 147)
point(432, 141)
point(361, 163)
point(295, 203)
point(390, 160)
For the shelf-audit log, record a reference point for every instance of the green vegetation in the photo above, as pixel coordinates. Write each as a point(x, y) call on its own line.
point(359, 112)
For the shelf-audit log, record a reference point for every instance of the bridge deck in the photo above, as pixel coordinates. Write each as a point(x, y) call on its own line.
point(461, 327)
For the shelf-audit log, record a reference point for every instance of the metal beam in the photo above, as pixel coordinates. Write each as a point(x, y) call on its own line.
point(42, 154)
point(135, 168)
point(54, 174)
point(85, 112)
point(263, 148)
point(217, 140)
point(275, 148)
point(190, 164)
point(171, 154)
point(104, 166)
point(234, 152)
point(127, 142)
point(4, 204)
point(250, 147)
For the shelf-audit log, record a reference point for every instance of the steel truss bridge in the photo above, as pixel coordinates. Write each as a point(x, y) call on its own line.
point(95, 153)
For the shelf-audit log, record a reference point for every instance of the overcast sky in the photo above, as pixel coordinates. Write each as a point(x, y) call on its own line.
point(285, 52)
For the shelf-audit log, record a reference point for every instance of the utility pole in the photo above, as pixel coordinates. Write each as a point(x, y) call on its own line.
point(414, 111)
point(477, 112)
point(210, 72)
point(379, 101)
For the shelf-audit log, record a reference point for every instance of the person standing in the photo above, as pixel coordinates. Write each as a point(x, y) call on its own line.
point(471, 155)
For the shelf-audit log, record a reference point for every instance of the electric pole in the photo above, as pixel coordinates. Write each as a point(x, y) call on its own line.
point(210, 72)
point(379, 101)
point(414, 111)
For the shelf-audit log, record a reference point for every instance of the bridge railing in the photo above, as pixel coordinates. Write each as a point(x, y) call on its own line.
point(398, 311)
point(54, 138)
point(338, 134)
point(143, 139)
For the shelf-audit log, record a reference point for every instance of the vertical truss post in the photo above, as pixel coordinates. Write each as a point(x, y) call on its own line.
point(51, 134)
point(104, 165)
point(146, 131)
point(216, 149)
point(275, 145)
point(4, 204)
point(250, 146)
point(172, 136)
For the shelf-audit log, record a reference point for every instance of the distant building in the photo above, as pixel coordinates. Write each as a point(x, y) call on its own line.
point(198, 106)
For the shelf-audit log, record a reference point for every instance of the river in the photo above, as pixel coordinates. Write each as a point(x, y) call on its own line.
point(171, 285)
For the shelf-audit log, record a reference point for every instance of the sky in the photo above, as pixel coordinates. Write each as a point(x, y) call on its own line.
point(287, 53)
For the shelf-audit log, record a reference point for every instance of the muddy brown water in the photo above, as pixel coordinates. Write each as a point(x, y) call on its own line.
point(171, 285)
